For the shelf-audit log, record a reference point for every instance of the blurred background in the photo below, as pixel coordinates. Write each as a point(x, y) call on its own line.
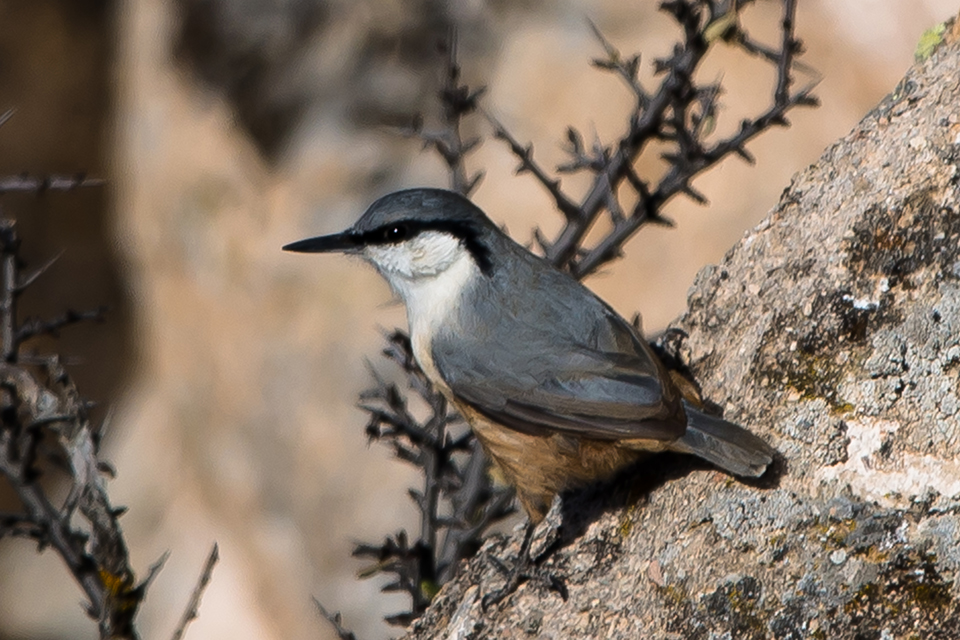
point(229, 370)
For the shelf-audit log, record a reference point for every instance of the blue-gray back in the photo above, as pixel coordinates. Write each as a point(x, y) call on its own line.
point(534, 350)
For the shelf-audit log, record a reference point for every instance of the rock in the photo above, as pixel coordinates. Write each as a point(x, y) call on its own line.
point(832, 329)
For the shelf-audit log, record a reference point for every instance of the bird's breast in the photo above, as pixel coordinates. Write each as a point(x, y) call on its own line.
point(433, 306)
point(423, 352)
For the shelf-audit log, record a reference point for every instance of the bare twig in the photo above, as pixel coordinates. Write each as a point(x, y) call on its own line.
point(336, 620)
point(565, 205)
point(33, 327)
point(788, 47)
point(456, 101)
point(664, 115)
point(193, 606)
point(20, 526)
point(41, 403)
point(40, 184)
point(30, 278)
point(428, 446)
point(419, 568)
point(9, 248)
point(626, 69)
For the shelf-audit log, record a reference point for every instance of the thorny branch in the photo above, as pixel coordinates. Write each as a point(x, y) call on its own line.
point(336, 621)
point(45, 429)
point(454, 477)
point(673, 114)
point(39, 402)
point(193, 606)
point(678, 114)
point(33, 327)
point(39, 184)
point(456, 101)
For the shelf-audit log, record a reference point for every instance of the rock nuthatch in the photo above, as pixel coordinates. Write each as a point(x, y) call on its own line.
point(558, 388)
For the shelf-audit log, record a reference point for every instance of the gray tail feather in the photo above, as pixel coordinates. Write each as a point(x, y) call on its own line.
point(730, 447)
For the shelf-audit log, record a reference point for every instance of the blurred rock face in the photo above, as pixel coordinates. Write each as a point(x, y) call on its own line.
point(239, 126)
point(55, 63)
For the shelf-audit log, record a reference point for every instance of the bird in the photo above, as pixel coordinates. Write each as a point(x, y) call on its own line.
point(558, 388)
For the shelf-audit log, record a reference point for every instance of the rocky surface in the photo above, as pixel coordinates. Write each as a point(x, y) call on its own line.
point(832, 329)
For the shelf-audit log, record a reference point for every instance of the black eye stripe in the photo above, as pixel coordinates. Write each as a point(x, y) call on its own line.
point(395, 232)
point(402, 230)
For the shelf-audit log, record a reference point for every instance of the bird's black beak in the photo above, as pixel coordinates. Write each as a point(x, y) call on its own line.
point(345, 242)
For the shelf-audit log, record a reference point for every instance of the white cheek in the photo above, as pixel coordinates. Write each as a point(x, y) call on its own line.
point(427, 255)
point(434, 252)
point(390, 260)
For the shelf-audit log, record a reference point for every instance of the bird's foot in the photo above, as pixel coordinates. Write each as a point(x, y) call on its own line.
point(517, 576)
point(524, 569)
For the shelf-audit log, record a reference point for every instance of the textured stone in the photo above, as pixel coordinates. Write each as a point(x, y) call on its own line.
point(832, 329)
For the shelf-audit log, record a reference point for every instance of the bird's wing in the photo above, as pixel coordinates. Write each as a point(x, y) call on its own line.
point(608, 390)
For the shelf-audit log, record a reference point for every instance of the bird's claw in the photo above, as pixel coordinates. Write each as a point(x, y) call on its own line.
point(524, 569)
point(518, 576)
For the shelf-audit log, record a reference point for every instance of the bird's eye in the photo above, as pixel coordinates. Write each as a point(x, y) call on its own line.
point(396, 233)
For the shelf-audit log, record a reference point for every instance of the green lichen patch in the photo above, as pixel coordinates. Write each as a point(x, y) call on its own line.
point(929, 42)
point(735, 607)
point(869, 537)
point(801, 349)
point(833, 535)
point(791, 623)
point(897, 242)
point(910, 597)
point(681, 618)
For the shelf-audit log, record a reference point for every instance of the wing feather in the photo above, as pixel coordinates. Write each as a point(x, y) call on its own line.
point(610, 389)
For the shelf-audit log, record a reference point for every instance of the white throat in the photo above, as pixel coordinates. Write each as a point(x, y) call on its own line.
point(430, 273)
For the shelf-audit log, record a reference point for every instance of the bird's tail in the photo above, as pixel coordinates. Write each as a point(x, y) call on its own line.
point(729, 446)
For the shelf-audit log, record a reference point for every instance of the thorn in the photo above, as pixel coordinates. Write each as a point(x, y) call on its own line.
point(478, 92)
point(153, 571)
point(746, 155)
point(661, 65)
point(575, 139)
point(541, 241)
point(469, 146)
point(603, 64)
point(336, 620)
point(694, 195)
point(108, 470)
point(104, 425)
point(662, 221)
point(417, 497)
point(671, 158)
point(473, 182)
point(610, 50)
